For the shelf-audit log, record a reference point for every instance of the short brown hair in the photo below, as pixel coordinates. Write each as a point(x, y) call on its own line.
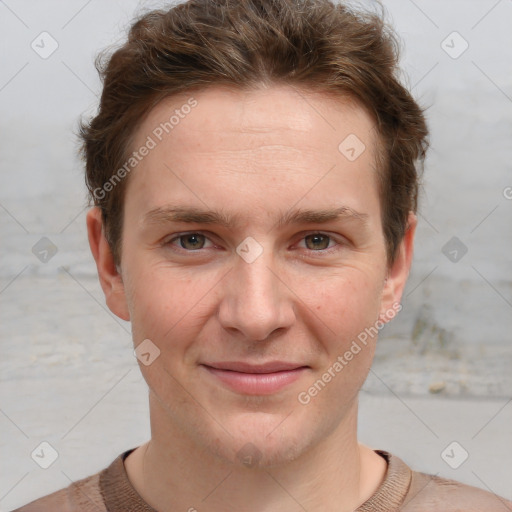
point(316, 44)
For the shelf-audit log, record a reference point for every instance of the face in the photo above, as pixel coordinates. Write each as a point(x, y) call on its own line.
point(253, 259)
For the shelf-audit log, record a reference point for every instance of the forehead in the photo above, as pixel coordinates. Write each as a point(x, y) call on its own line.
point(258, 113)
point(207, 143)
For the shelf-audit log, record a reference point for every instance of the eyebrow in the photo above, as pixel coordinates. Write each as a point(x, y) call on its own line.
point(162, 215)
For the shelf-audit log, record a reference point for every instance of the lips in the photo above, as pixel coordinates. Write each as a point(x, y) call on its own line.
point(251, 379)
point(270, 367)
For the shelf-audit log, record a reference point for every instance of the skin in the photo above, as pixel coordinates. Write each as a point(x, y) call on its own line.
point(254, 154)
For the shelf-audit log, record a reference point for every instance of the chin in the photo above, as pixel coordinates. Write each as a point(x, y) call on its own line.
point(259, 444)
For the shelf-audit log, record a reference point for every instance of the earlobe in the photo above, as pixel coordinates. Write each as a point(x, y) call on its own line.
point(398, 272)
point(108, 273)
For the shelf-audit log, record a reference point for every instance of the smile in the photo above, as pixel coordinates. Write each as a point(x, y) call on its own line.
point(255, 379)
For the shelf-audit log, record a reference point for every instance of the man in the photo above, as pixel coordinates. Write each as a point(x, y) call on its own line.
point(253, 170)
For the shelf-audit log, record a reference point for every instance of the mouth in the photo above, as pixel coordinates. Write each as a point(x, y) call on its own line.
point(249, 379)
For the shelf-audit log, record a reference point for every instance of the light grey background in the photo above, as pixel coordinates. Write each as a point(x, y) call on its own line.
point(443, 368)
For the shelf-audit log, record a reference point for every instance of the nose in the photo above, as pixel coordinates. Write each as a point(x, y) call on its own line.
point(256, 301)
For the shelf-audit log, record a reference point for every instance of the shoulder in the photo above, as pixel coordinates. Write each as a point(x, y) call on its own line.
point(81, 496)
point(430, 492)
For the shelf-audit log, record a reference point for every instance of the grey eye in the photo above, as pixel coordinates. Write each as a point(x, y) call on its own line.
point(192, 241)
point(318, 241)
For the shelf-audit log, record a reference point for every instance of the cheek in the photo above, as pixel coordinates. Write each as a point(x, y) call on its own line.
point(168, 307)
point(349, 307)
point(166, 311)
point(347, 302)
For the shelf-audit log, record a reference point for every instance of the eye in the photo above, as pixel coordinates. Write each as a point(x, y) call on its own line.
point(189, 241)
point(194, 241)
point(319, 242)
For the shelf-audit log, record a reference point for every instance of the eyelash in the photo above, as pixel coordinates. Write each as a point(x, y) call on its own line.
point(168, 242)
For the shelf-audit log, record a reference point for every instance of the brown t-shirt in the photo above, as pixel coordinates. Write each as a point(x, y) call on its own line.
point(402, 489)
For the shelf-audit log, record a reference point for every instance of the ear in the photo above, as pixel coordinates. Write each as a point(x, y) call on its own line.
point(110, 279)
point(398, 272)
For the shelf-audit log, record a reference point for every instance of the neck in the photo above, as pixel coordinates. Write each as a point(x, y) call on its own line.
point(171, 473)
